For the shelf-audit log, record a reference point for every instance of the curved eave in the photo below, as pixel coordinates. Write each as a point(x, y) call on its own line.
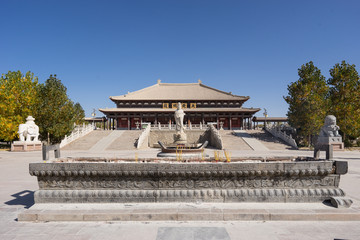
point(234, 98)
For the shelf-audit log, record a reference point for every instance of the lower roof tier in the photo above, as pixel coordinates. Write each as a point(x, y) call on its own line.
point(170, 110)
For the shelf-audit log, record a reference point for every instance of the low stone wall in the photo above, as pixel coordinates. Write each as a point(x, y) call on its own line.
point(121, 182)
point(166, 136)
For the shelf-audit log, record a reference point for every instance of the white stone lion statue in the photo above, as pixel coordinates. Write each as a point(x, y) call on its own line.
point(29, 131)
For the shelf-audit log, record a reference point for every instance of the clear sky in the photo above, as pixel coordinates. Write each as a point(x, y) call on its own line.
point(107, 48)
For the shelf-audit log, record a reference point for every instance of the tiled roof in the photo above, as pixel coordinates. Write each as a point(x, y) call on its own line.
point(178, 92)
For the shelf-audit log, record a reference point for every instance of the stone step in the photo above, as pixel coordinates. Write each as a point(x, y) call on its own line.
point(189, 212)
point(269, 141)
point(88, 141)
point(103, 143)
point(252, 142)
point(126, 141)
point(233, 142)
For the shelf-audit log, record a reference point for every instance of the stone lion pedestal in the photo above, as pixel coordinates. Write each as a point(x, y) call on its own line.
point(28, 134)
point(329, 138)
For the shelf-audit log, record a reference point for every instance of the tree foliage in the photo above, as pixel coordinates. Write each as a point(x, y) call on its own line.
point(344, 95)
point(79, 114)
point(307, 102)
point(17, 98)
point(56, 113)
point(21, 95)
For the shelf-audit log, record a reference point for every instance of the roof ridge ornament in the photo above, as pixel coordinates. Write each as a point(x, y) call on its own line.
point(158, 81)
point(199, 81)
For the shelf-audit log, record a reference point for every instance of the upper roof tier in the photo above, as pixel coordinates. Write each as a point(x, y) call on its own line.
point(179, 91)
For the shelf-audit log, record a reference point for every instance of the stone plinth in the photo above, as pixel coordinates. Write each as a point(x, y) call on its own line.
point(25, 146)
point(122, 182)
point(336, 142)
point(166, 136)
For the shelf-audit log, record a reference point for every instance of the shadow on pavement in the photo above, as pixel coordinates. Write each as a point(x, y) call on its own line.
point(25, 198)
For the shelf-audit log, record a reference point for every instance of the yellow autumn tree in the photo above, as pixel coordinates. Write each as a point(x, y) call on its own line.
point(17, 101)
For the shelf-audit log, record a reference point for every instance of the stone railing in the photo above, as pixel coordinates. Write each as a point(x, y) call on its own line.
point(172, 126)
point(276, 132)
point(215, 138)
point(144, 136)
point(78, 132)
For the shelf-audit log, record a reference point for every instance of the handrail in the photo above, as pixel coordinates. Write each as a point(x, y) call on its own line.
point(78, 132)
point(143, 136)
point(276, 132)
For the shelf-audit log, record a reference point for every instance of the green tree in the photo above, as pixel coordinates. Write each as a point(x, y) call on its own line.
point(79, 114)
point(307, 102)
point(17, 100)
point(56, 113)
point(344, 95)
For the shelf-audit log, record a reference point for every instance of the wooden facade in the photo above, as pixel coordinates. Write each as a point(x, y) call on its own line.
point(200, 103)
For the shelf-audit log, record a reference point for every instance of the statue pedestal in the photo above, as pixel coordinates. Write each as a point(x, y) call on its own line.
point(336, 142)
point(328, 144)
point(26, 146)
point(180, 138)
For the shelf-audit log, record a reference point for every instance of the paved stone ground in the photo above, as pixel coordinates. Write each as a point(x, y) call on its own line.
point(17, 187)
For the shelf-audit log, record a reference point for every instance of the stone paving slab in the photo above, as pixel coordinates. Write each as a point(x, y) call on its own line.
point(189, 212)
point(199, 233)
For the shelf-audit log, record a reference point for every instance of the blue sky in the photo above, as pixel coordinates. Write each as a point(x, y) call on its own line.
point(107, 48)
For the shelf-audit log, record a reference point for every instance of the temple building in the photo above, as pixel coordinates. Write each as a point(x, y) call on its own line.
point(202, 104)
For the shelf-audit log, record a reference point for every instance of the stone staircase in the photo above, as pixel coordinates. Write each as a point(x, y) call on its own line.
point(88, 141)
point(105, 142)
point(126, 141)
point(100, 140)
point(233, 142)
point(253, 143)
point(269, 141)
